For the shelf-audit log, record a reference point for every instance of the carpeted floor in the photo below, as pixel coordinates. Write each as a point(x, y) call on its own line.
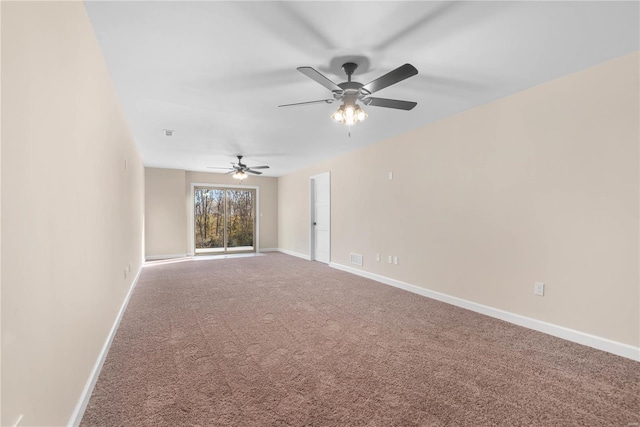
point(278, 341)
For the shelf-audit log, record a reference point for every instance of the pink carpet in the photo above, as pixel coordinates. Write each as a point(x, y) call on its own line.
point(278, 341)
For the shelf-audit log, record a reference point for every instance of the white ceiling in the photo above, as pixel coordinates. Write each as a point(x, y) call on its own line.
point(215, 71)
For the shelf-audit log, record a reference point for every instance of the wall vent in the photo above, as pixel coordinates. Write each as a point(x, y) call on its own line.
point(356, 259)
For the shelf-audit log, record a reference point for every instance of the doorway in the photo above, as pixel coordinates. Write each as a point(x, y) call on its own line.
point(224, 220)
point(320, 210)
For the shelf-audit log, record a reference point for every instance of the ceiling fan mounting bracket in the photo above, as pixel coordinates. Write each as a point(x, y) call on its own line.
point(349, 68)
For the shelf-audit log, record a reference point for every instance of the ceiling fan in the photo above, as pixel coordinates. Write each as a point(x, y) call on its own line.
point(350, 113)
point(240, 170)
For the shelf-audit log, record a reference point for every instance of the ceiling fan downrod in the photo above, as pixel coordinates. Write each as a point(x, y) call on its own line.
point(349, 68)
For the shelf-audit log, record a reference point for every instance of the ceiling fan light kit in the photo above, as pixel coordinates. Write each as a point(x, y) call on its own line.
point(349, 114)
point(240, 175)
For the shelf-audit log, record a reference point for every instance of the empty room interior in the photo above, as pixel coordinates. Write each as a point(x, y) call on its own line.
point(349, 213)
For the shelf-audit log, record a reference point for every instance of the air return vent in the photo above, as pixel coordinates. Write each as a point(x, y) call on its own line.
point(356, 259)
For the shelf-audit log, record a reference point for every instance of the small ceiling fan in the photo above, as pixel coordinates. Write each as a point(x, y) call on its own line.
point(240, 170)
point(350, 113)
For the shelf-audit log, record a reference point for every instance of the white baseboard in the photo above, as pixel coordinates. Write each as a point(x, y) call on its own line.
point(268, 250)
point(296, 254)
point(81, 406)
point(618, 348)
point(167, 256)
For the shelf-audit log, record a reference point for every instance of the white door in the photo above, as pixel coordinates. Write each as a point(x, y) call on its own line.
point(321, 217)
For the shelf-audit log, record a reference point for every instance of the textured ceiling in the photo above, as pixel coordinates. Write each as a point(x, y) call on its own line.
point(215, 72)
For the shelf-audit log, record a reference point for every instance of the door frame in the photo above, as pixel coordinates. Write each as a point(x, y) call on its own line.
point(192, 229)
point(312, 233)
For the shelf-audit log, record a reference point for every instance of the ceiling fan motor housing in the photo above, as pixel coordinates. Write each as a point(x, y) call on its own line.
point(239, 165)
point(351, 91)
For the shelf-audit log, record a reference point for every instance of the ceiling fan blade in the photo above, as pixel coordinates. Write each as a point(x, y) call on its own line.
point(233, 171)
point(392, 77)
point(321, 101)
point(253, 172)
point(259, 167)
point(213, 167)
point(320, 78)
point(390, 103)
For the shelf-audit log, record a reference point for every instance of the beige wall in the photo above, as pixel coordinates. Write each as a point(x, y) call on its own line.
point(165, 218)
point(72, 215)
point(0, 211)
point(168, 209)
point(540, 186)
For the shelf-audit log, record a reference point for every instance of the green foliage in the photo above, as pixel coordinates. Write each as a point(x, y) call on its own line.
point(209, 218)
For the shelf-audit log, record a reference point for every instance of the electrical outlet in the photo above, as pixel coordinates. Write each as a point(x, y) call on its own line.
point(377, 257)
point(395, 260)
point(538, 288)
point(390, 176)
point(389, 259)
